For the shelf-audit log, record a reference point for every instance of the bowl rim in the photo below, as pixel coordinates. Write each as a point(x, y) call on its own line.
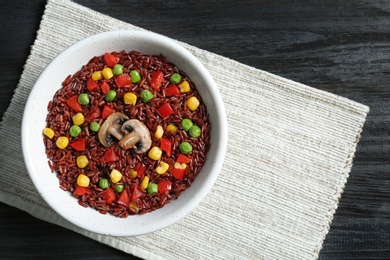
point(221, 141)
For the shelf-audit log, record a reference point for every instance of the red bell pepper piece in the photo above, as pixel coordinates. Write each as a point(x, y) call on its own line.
point(78, 144)
point(172, 90)
point(165, 111)
point(74, 103)
point(95, 114)
point(107, 111)
point(110, 155)
point(183, 159)
point(136, 193)
point(123, 80)
point(164, 186)
point(166, 146)
point(110, 59)
point(80, 191)
point(105, 87)
point(109, 195)
point(177, 173)
point(140, 168)
point(157, 79)
point(124, 198)
point(91, 84)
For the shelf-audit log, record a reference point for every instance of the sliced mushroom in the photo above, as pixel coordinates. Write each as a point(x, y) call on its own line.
point(112, 127)
point(137, 136)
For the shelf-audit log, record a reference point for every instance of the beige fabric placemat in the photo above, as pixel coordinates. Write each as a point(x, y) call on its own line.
point(289, 154)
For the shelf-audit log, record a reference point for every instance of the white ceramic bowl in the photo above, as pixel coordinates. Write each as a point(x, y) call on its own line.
point(70, 61)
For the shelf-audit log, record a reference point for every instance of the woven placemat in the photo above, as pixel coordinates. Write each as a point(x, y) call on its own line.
point(282, 177)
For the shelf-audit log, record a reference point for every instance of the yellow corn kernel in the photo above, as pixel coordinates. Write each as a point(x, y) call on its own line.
point(133, 173)
point(159, 132)
point(97, 75)
point(184, 87)
point(172, 128)
point(144, 183)
point(82, 161)
point(162, 168)
point(107, 73)
point(78, 119)
point(133, 206)
point(115, 176)
point(83, 180)
point(48, 132)
point(193, 103)
point(178, 165)
point(155, 153)
point(62, 142)
point(130, 98)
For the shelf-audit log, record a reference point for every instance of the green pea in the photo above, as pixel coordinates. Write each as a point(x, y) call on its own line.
point(110, 96)
point(74, 130)
point(146, 95)
point(135, 77)
point(175, 78)
point(186, 124)
point(104, 183)
point(152, 188)
point(195, 131)
point(117, 69)
point(83, 99)
point(94, 126)
point(119, 187)
point(185, 147)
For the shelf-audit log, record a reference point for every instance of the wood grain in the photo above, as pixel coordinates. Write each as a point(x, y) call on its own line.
point(338, 46)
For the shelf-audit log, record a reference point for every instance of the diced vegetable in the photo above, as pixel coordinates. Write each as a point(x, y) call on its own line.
point(105, 87)
point(180, 165)
point(94, 126)
point(155, 153)
point(92, 84)
point(172, 128)
point(146, 95)
point(109, 195)
point(80, 191)
point(136, 193)
point(195, 131)
point(159, 132)
point(104, 183)
point(119, 187)
point(144, 183)
point(78, 144)
point(134, 206)
point(48, 132)
point(193, 103)
point(177, 173)
point(186, 124)
point(130, 98)
point(78, 119)
point(117, 69)
point(110, 59)
point(75, 130)
point(97, 75)
point(124, 198)
point(132, 173)
point(107, 111)
point(184, 87)
point(166, 146)
point(62, 142)
point(157, 79)
point(183, 159)
point(83, 180)
point(83, 99)
point(135, 76)
point(123, 80)
point(110, 96)
point(107, 73)
point(185, 147)
point(175, 78)
point(82, 161)
point(152, 188)
point(140, 168)
point(165, 111)
point(164, 186)
point(162, 168)
point(172, 90)
point(115, 176)
point(74, 104)
point(110, 155)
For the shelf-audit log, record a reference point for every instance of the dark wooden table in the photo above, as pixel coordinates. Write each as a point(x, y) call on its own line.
point(339, 46)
